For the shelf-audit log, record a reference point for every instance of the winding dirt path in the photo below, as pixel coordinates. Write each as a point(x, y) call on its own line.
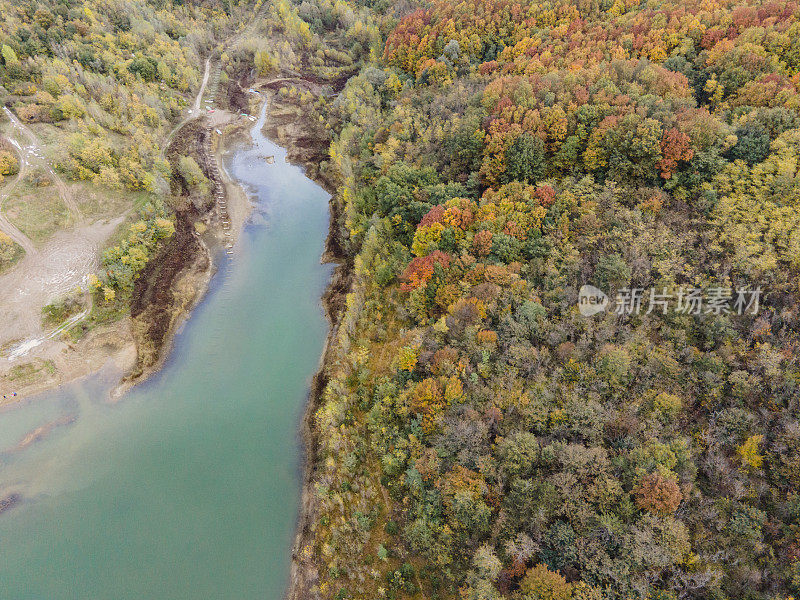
point(33, 153)
point(194, 112)
point(199, 98)
point(16, 235)
point(7, 226)
point(197, 109)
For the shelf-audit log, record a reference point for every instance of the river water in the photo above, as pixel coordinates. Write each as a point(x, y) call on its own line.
point(188, 486)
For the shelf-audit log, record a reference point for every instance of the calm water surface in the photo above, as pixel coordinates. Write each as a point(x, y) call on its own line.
point(188, 487)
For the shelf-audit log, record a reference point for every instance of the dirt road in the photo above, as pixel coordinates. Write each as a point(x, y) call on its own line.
point(15, 234)
point(199, 99)
point(60, 266)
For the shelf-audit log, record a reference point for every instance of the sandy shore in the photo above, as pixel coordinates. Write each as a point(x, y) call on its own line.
point(57, 362)
point(54, 361)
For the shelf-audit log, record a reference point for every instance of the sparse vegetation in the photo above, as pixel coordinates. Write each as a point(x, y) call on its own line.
point(28, 372)
point(37, 212)
point(60, 311)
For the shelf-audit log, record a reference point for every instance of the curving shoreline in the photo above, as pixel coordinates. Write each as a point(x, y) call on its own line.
point(189, 259)
point(116, 343)
point(194, 278)
point(204, 456)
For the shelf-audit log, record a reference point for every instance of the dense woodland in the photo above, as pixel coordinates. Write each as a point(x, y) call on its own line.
point(479, 437)
point(112, 76)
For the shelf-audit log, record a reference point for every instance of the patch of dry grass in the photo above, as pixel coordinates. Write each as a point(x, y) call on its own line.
point(37, 211)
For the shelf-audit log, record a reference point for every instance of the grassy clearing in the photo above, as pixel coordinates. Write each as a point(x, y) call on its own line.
point(98, 202)
point(30, 372)
point(47, 133)
point(37, 211)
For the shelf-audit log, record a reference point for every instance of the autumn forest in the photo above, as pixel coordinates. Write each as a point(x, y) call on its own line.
point(475, 435)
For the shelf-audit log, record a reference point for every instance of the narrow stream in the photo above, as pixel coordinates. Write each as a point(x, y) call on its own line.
point(188, 487)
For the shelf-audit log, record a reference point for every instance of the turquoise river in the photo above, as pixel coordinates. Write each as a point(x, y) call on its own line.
point(188, 486)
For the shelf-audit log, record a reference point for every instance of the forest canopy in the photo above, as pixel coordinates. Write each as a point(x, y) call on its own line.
point(479, 437)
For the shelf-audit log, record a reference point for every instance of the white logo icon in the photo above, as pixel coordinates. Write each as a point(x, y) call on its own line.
point(591, 301)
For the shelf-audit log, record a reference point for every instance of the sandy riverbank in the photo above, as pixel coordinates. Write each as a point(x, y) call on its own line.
point(188, 282)
point(126, 344)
